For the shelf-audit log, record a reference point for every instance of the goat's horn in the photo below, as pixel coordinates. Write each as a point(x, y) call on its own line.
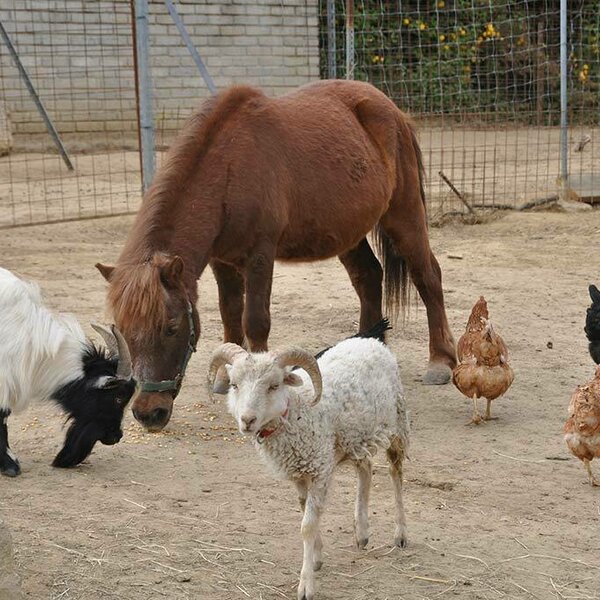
point(296, 357)
point(124, 367)
point(109, 338)
point(224, 355)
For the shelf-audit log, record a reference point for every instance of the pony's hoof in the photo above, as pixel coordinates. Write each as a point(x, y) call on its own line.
point(437, 374)
point(11, 468)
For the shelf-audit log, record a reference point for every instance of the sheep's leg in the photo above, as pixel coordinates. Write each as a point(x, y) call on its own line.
point(588, 467)
point(315, 501)
point(9, 464)
point(302, 487)
point(395, 454)
point(364, 470)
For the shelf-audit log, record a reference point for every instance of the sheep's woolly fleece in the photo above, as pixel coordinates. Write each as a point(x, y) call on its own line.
point(362, 407)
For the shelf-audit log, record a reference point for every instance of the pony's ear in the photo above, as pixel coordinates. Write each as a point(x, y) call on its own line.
point(105, 270)
point(172, 271)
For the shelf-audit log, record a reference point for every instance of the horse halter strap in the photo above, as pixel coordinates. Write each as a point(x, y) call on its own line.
point(174, 385)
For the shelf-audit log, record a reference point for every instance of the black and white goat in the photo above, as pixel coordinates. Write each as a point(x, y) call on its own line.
point(46, 356)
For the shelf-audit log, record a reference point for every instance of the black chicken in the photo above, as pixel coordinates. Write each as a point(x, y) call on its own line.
point(592, 324)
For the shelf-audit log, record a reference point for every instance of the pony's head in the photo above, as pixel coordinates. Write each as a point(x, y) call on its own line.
point(152, 307)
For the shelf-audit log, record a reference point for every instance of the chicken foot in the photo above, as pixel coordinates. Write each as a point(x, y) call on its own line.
point(476, 419)
point(488, 412)
point(593, 481)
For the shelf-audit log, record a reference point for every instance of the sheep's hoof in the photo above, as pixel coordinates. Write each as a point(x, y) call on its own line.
point(362, 543)
point(437, 374)
point(401, 541)
point(318, 564)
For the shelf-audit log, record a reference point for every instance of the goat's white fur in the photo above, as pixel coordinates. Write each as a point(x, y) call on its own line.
point(362, 408)
point(40, 351)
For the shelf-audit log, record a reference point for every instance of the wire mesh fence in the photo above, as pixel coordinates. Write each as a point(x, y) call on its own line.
point(76, 58)
point(482, 80)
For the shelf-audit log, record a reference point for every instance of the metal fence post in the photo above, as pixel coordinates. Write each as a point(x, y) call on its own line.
point(564, 131)
point(144, 88)
point(349, 39)
point(331, 58)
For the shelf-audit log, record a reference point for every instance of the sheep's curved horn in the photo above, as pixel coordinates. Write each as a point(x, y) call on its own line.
point(108, 336)
point(224, 355)
point(124, 367)
point(296, 357)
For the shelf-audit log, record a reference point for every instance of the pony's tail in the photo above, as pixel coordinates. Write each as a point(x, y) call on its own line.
point(396, 278)
point(395, 274)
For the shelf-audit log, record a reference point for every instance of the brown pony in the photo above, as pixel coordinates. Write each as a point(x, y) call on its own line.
point(252, 179)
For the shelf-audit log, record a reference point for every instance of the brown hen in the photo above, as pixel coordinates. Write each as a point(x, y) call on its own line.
point(483, 370)
point(582, 429)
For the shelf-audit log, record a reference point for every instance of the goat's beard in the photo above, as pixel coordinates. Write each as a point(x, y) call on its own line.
point(79, 443)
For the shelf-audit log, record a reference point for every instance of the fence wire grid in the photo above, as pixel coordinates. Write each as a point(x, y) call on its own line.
point(78, 56)
point(482, 80)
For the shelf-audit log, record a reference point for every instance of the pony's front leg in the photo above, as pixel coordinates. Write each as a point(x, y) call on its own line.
point(231, 300)
point(313, 509)
point(9, 465)
point(258, 278)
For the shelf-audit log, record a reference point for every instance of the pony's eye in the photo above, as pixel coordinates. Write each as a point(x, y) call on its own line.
point(171, 330)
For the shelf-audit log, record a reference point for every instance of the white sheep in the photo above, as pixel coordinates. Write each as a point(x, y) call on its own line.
point(361, 408)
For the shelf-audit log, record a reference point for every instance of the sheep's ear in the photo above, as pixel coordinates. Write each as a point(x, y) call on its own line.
point(292, 379)
point(105, 270)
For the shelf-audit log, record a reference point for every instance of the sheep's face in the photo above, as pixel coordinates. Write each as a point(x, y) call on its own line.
point(257, 393)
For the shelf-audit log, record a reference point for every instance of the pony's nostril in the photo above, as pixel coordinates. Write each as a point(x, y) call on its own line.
point(158, 415)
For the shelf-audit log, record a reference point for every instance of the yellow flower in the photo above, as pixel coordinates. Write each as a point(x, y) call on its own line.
point(452, 36)
point(375, 59)
point(446, 47)
point(583, 76)
point(463, 31)
point(586, 67)
point(441, 4)
point(422, 26)
point(442, 38)
point(406, 21)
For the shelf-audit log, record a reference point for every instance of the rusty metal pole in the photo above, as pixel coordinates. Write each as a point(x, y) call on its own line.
point(349, 39)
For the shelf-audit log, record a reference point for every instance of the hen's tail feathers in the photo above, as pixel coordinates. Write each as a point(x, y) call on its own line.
point(377, 332)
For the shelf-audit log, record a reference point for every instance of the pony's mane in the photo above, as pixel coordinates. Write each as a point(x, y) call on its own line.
point(180, 164)
point(137, 297)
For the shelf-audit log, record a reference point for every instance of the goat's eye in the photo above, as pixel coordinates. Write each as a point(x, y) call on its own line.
point(273, 387)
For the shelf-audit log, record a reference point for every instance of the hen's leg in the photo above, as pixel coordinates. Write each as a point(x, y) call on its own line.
point(488, 412)
point(476, 419)
point(593, 481)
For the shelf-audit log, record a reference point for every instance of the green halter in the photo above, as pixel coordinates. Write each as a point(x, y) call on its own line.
point(175, 384)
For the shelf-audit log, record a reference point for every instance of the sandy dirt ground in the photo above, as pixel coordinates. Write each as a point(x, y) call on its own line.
point(496, 511)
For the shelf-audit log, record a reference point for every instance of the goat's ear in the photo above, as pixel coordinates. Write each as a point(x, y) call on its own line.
point(171, 271)
point(105, 270)
point(107, 382)
point(79, 443)
point(594, 293)
point(291, 379)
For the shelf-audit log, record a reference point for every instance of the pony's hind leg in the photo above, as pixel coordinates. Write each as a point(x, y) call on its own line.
point(405, 225)
point(230, 284)
point(364, 471)
point(395, 455)
point(9, 465)
point(256, 319)
point(366, 276)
